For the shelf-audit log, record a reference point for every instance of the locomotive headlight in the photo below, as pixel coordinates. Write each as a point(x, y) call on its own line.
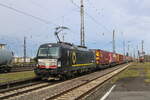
point(37, 65)
point(41, 63)
point(92, 61)
point(59, 64)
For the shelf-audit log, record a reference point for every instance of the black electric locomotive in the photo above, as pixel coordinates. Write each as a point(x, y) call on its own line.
point(63, 59)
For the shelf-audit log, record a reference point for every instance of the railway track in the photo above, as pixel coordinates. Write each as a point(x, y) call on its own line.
point(7, 93)
point(68, 90)
point(22, 67)
point(6, 86)
point(19, 68)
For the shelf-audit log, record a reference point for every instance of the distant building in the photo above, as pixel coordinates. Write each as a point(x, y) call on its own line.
point(2, 46)
point(147, 58)
point(21, 60)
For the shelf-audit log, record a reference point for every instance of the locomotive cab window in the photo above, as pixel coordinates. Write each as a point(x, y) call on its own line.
point(49, 52)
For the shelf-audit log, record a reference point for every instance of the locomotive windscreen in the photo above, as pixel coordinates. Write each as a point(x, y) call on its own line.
point(48, 52)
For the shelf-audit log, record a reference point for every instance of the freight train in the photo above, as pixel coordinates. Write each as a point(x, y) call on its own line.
point(6, 57)
point(59, 60)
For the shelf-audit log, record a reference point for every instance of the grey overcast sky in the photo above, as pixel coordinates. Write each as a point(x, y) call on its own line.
point(130, 19)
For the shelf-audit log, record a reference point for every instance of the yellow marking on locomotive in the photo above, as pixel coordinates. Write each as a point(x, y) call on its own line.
point(76, 65)
point(74, 58)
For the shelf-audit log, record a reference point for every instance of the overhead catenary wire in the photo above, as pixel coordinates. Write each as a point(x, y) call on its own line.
point(39, 18)
point(45, 9)
point(98, 13)
point(27, 14)
point(91, 17)
point(37, 4)
point(47, 22)
point(64, 15)
point(93, 7)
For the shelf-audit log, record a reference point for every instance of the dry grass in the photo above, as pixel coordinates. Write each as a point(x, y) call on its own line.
point(16, 76)
point(135, 70)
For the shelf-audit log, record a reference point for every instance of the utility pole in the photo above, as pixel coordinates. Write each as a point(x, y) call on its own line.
point(137, 51)
point(128, 48)
point(124, 48)
point(82, 34)
point(114, 41)
point(134, 52)
point(142, 48)
point(24, 49)
point(142, 52)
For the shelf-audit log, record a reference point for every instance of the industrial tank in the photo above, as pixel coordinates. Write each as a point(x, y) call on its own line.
point(6, 57)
